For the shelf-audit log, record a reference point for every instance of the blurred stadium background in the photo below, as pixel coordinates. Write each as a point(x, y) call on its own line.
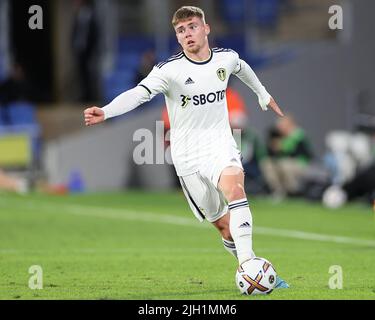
point(322, 77)
point(90, 51)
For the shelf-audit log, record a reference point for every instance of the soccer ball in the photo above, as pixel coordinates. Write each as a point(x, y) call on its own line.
point(334, 197)
point(256, 276)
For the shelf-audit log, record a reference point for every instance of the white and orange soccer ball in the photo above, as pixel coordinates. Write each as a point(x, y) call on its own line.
point(256, 276)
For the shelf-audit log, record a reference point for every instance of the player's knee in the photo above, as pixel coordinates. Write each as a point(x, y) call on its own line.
point(235, 192)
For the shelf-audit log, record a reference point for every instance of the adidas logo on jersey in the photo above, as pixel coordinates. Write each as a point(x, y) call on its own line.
point(189, 81)
point(244, 225)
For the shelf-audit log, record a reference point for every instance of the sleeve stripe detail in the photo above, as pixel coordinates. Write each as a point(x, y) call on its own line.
point(240, 69)
point(148, 90)
point(222, 50)
point(172, 58)
point(176, 55)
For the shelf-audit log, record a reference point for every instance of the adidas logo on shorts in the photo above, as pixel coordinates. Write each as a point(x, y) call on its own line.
point(245, 225)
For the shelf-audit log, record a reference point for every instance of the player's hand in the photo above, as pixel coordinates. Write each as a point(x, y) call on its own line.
point(273, 105)
point(93, 115)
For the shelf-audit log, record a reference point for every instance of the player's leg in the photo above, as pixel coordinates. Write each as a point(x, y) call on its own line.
point(222, 224)
point(231, 184)
point(207, 202)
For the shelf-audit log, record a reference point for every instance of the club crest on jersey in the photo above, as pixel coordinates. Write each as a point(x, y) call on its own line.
point(222, 74)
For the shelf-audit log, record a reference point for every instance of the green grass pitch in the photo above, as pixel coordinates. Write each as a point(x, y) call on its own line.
point(138, 245)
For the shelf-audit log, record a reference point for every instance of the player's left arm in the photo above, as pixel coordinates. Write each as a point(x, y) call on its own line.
point(275, 107)
point(244, 72)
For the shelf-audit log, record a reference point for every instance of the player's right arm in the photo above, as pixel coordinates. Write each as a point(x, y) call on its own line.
point(153, 84)
point(93, 115)
point(123, 103)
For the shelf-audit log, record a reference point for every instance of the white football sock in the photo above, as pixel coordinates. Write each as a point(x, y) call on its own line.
point(241, 229)
point(230, 247)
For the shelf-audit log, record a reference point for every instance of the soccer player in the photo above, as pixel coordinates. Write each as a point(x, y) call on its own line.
point(204, 152)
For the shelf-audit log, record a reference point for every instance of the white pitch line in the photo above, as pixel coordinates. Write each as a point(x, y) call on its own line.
point(125, 214)
point(313, 236)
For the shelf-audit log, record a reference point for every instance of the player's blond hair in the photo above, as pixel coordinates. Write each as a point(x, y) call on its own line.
point(187, 12)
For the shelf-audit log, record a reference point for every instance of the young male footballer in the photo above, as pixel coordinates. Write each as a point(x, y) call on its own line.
point(204, 152)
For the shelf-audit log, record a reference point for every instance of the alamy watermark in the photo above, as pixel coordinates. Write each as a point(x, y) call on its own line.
point(36, 19)
point(36, 280)
point(336, 280)
point(154, 147)
point(336, 21)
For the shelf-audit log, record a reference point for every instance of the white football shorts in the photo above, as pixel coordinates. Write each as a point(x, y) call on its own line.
point(200, 188)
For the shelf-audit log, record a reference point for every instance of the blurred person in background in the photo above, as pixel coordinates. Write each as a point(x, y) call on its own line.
point(290, 154)
point(338, 158)
point(362, 185)
point(148, 61)
point(18, 184)
point(13, 89)
point(352, 166)
point(205, 155)
point(10, 183)
point(85, 39)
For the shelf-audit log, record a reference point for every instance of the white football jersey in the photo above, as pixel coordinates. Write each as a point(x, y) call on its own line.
point(197, 107)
